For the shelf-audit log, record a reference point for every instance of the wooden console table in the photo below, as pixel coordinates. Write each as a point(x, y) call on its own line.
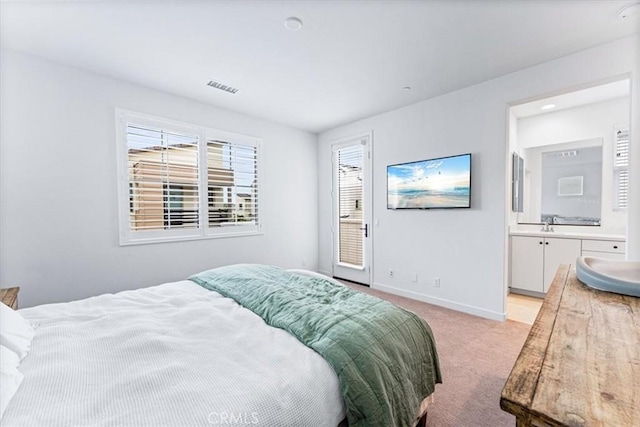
point(580, 364)
point(9, 296)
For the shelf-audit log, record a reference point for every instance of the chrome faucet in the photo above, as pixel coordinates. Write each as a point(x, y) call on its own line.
point(546, 227)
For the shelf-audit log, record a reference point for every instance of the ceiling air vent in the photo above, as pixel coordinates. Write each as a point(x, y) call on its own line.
point(561, 154)
point(221, 86)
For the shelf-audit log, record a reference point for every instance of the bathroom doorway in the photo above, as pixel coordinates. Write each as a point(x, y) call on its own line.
point(568, 166)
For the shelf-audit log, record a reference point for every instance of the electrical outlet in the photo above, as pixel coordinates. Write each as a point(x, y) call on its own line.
point(391, 273)
point(304, 263)
point(436, 282)
point(414, 277)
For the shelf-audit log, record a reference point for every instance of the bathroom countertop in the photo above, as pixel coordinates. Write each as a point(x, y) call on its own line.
point(568, 235)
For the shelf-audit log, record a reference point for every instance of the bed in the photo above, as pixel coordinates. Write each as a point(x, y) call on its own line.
point(202, 352)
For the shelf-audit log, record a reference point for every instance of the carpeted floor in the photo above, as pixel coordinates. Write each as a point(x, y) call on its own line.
point(476, 357)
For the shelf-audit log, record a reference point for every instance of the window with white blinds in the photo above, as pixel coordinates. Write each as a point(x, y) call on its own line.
point(351, 219)
point(162, 169)
point(621, 169)
point(180, 181)
point(232, 183)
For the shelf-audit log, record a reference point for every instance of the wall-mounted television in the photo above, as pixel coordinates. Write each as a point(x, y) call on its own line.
point(439, 183)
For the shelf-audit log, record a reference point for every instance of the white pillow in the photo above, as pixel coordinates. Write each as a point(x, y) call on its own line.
point(10, 380)
point(8, 359)
point(15, 332)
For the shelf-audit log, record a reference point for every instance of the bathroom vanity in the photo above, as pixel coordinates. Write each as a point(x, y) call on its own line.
point(536, 255)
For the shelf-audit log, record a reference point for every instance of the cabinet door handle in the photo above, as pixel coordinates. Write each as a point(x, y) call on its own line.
point(540, 242)
point(546, 243)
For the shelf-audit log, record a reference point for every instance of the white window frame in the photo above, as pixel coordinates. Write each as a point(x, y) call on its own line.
point(129, 237)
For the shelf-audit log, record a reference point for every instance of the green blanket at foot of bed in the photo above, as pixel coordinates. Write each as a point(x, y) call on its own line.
point(384, 356)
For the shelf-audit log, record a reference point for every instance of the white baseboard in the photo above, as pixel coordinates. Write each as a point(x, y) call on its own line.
point(326, 273)
point(469, 309)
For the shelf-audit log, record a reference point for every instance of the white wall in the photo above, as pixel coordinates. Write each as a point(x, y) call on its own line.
point(633, 221)
point(586, 122)
point(58, 213)
point(465, 248)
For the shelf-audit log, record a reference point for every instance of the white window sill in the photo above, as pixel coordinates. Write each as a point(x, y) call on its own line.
point(152, 240)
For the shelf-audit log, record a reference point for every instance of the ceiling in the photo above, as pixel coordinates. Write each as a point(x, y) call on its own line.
point(350, 60)
point(591, 95)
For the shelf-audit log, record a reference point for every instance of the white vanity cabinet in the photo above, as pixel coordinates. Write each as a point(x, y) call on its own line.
point(535, 260)
point(610, 249)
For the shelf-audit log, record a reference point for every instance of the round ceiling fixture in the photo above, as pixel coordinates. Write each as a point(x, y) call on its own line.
point(548, 107)
point(293, 24)
point(629, 10)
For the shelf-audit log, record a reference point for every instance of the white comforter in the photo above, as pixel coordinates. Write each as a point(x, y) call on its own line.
point(175, 355)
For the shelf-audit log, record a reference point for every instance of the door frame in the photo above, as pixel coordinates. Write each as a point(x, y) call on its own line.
point(508, 170)
point(367, 204)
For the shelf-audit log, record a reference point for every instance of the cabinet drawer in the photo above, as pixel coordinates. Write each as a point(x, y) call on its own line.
point(603, 246)
point(605, 255)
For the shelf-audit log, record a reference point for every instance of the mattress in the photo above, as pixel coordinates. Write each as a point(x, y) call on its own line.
point(384, 356)
point(174, 354)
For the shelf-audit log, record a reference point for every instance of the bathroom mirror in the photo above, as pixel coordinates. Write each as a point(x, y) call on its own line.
point(563, 184)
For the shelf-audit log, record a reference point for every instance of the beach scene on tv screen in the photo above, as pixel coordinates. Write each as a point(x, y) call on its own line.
point(439, 183)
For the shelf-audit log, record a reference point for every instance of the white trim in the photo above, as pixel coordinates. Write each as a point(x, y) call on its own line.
point(203, 176)
point(570, 89)
point(147, 241)
point(178, 123)
point(159, 122)
point(368, 190)
point(348, 140)
point(121, 177)
point(351, 266)
point(506, 242)
point(618, 169)
point(441, 302)
point(236, 229)
point(227, 136)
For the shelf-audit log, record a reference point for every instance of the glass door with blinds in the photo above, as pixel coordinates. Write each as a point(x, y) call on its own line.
point(352, 210)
